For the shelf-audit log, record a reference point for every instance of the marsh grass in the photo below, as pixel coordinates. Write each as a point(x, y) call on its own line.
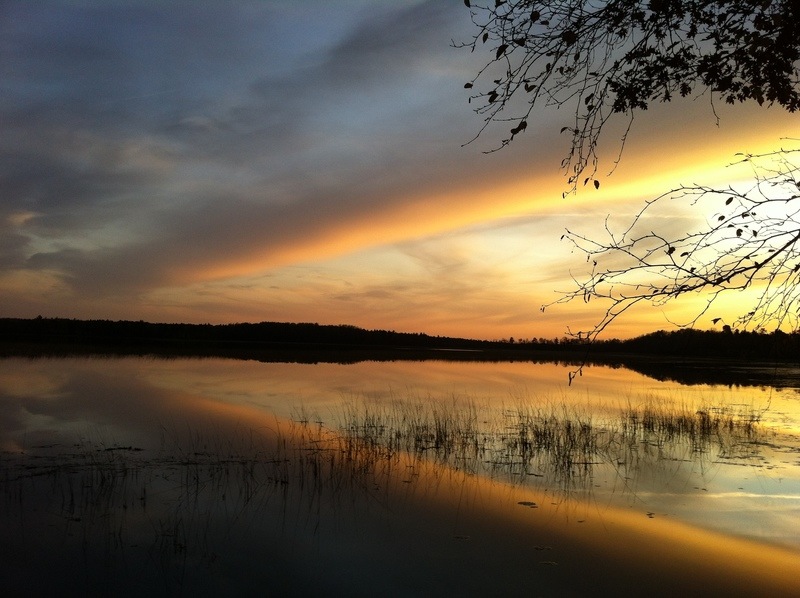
point(561, 444)
point(182, 506)
point(182, 512)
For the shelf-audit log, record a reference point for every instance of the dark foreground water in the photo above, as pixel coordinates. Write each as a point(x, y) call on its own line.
point(220, 477)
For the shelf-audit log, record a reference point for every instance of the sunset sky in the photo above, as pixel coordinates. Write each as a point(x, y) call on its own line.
point(288, 160)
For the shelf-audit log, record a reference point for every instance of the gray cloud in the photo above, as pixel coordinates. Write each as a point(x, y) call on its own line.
point(152, 140)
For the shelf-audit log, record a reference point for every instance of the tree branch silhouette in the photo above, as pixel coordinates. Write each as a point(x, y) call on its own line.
point(749, 240)
point(601, 58)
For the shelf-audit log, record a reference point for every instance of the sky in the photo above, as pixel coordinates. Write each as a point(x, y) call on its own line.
point(307, 161)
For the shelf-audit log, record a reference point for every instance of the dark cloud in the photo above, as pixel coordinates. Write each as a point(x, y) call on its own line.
point(154, 141)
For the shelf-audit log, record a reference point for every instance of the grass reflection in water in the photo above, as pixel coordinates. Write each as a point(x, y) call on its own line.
point(561, 444)
point(199, 503)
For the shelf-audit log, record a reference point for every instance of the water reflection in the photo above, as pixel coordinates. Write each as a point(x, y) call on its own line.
point(213, 476)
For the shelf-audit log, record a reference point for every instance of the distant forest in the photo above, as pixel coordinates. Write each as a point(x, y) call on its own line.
point(316, 342)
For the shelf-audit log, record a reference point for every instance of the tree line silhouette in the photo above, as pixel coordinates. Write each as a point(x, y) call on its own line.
point(64, 336)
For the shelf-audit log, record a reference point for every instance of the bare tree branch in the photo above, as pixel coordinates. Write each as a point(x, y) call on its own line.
point(750, 239)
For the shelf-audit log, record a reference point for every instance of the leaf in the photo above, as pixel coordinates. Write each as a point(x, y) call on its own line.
point(485, 37)
point(729, 200)
point(684, 254)
point(534, 16)
point(596, 184)
point(738, 232)
point(670, 250)
point(715, 320)
point(466, 3)
point(501, 50)
point(721, 218)
point(519, 128)
point(467, 85)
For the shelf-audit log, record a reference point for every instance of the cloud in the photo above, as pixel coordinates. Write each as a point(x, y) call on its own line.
point(134, 186)
point(160, 148)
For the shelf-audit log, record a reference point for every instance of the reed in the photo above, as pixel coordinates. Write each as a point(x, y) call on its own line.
point(559, 443)
point(182, 503)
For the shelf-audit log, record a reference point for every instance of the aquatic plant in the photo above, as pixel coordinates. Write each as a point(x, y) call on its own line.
point(555, 442)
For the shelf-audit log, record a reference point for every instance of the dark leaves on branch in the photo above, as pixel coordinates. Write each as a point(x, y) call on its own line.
point(569, 37)
point(519, 128)
point(751, 52)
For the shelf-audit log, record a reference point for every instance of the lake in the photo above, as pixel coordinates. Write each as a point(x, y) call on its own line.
point(131, 476)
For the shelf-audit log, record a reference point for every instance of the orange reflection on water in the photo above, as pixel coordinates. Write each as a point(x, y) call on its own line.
point(324, 499)
point(568, 542)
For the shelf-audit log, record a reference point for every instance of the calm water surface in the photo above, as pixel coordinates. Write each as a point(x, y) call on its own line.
point(58, 417)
